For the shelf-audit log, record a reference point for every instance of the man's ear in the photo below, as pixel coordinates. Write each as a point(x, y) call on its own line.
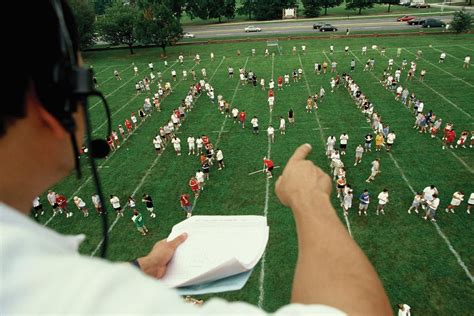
point(45, 118)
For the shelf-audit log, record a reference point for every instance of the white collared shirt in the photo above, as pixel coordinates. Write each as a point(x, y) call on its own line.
point(43, 273)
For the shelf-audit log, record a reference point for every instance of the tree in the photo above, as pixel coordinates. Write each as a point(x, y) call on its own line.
point(359, 4)
point(461, 21)
point(85, 18)
point(312, 8)
point(389, 2)
point(211, 9)
point(101, 5)
point(272, 9)
point(176, 6)
point(157, 24)
point(329, 4)
point(248, 7)
point(119, 24)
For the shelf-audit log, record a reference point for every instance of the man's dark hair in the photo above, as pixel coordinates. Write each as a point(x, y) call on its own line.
point(30, 58)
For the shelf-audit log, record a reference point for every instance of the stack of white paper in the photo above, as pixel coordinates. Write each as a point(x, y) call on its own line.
point(217, 247)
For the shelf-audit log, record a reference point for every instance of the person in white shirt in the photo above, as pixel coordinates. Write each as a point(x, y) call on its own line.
point(197, 59)
point(212, 56)
point(199, 144)
point(442, 57)
point(59, 271)
point(150, 65)
point(135, 70)
point(282, 125)
point(343, 143)
point(51, 196)
point(204, 73)
point(157, 143)
point(37, 207)
point(181, 58)
point(390, 140)
point(364, 50)
point(404, 310)
point(191, 145)
point(235, 115)
point(271, 134)
point(374, 171)
point(429, 191)
point(177, 145)
point(458, 197)
point(470, 203)
point(432, 207)
point(115, 201)
point(81, 205)
point(97, 203)
point(417, 201)
point(467, 62)
point(254, 122)
point(220, 159)
point(383, 200)
point(358, 154)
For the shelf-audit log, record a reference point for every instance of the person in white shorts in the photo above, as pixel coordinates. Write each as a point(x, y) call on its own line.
point(177, 145)
point(191, 145)
point(458, 197)
point(383, 200)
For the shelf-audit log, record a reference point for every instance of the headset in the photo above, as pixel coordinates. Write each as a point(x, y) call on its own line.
point(70, 85)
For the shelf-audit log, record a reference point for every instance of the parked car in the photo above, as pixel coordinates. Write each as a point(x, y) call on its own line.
point(328, 28)
point(252, 28)
point(188, 35)
point(318, 25)
point(405, 18)
point(416, 22)
point(405, 3)
point(419, 5)
point(433, 23)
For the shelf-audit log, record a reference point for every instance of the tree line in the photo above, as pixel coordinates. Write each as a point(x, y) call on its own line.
point(158, 22)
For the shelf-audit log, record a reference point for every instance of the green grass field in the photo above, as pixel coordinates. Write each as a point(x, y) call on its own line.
point(414, 261)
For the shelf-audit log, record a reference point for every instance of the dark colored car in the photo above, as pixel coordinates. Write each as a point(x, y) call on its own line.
point(328, 28)
point(433, 23)
point(416, 22)
point(318, 25)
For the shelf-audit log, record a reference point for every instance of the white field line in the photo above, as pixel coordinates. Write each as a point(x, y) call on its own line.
point(346, 218)
point(133, 78)
point(454, 76)
point(439, 231)
point(468, 168)
point(143, 181)
point(261, 296)
point(105, 68)
point(129, 101)
point(113, 77)
point(439, 50)
point(463, 47)
point(439, 94)
point(89, 178)
point(458, 258)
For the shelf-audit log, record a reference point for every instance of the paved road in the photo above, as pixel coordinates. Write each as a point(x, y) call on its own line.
point(373, 24)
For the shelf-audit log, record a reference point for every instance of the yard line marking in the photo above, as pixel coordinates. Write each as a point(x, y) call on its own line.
point(133, 98)
point(142, 181)
point(442, 96)
point(105, 68)
point(439, 50)
point(146, 175)
point(454, 76)
point(463, 47)
point(99, 167)
point(112, 77)
point(346, 219)
point(440, 232)
point(261, 289)
point(471, 170)
point(458, 258)
point(133, 77)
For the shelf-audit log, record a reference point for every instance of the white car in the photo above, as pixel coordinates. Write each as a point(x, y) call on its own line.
point(252, 28)
point(188, 35)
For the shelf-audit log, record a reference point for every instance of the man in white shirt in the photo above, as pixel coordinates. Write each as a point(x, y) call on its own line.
point(432, 207)
point(282, 125)
point(220, 159)
point(64, 282)
point(191, 145)
point(177, 145)
point(254, 122)
point(429, 191)
point(403, 310)
point(383, 200)
point(271, 134)
point(343, 142)
point(467, 62)
point(390, 140)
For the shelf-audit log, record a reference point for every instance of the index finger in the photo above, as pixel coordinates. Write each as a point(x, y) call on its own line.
point(178, 240)
point(300, 153)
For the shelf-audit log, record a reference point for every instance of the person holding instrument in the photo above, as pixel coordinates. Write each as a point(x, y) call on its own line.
point(41, 129)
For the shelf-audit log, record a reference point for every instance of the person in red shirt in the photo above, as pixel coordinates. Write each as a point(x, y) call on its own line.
point(62, 204)
point(186, 204)
point(280, 83)
point(111, 143)
point(128, 125)
point(268, 167)
point(242, 116)
point(450, 135)
point(270, 93)
point(194, 184)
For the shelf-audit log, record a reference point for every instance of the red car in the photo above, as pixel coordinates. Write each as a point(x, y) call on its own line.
point(406, 18)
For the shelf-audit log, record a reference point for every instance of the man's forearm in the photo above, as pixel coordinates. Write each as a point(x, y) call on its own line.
point(331, 268)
